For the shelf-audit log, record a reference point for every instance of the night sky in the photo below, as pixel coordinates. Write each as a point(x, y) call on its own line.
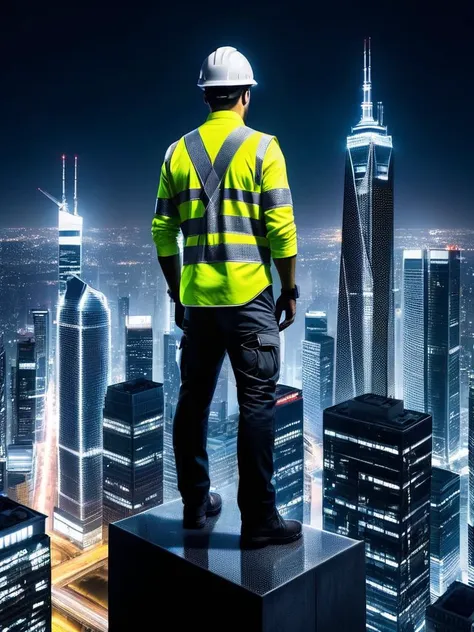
point(118, 85)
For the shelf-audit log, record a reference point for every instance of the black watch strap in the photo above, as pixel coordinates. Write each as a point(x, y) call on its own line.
point(294, 293)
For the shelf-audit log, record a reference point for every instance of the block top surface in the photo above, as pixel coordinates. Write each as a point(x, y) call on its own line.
point(217, 546)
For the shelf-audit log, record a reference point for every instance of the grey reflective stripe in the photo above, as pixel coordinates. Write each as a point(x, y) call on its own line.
point(261, 151)
point(275, 198)
point(166, 207)
point(211, 175)
point(228, 224)
point(221, 253)
point(249, 197)
point(187, 196)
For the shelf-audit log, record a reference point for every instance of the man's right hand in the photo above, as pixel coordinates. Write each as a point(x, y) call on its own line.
point(179, 314)
point(287, 305)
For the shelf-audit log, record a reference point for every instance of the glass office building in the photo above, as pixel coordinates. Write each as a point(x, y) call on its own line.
point(365, 323)
point(431, 334)
point(138, 348)
point(41, 327)
point(83, 376)
point(25, 569)
point(289, 452)
point(133, 448)
point(445, 535)
point(376, 488)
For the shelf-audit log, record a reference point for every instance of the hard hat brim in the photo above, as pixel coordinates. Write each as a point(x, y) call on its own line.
point(227, 83)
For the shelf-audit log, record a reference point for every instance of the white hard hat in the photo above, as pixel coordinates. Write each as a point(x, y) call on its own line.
point(226, 67)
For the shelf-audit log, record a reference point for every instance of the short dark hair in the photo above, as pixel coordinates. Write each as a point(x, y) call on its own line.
point(224, 98)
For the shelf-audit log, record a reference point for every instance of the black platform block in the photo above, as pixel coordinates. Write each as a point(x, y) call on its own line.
point(162, 577)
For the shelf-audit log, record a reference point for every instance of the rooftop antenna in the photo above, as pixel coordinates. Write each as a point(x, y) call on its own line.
point(75, 185)
point(367, 108)
point(64, 180)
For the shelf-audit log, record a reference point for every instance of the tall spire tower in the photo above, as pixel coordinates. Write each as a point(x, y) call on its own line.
point(365, 345)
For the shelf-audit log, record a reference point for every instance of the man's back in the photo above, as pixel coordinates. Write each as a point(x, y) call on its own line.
point(254, 187)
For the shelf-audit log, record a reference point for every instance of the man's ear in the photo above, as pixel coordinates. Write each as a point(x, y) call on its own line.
point(246, 97)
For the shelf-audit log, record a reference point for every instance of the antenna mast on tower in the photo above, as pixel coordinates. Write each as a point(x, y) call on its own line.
point(367, 106)
point(75, 185)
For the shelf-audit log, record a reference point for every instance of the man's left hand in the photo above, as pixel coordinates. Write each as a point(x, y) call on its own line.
point(287, 305)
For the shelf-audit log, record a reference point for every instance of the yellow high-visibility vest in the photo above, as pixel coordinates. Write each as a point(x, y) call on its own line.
point(225, 186)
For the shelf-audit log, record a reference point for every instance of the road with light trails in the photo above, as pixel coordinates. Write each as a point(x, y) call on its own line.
point(91, 615)
point(44, 495)
point(78, 566)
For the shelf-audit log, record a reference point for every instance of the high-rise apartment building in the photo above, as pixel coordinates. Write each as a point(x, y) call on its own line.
point(365, 326)
point(25, 395)
point(288, 456)
point(25, 569)
point(83, 376)
point(431, 305)
point(138, 348)
point(41, 328)
point(133, 448)
point(377, 471)
point(445, 533)
point(318, 384)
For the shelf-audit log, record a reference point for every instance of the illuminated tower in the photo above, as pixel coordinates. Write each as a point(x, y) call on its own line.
point(431, 300)
point(365, 347)
point(70, 233)
point(3, 414)
point(41, 330)
point(138, 347)
point(84, 369)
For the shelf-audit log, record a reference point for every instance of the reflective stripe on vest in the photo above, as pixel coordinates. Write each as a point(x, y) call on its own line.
point(212, 194)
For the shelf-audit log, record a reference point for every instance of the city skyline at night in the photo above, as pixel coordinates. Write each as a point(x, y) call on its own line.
point(90, 353)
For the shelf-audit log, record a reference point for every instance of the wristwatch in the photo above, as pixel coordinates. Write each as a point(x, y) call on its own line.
point(294, 293)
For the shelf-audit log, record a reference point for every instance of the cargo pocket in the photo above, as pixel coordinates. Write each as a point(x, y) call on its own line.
point(261, 355)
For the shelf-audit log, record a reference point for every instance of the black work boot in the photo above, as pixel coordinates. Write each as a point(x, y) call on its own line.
point(194, 517)
point(274, 531)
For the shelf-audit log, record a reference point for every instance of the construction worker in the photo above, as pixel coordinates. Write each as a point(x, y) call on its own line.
point(225, 186)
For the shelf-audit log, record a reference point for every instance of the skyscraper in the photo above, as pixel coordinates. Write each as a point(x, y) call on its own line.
point(3, 415)
point(289, 452)
point(25, 569)
point(41, 331)
point(25, 396)
point(138, 348)
point(83, 367)
point(123, 313)
point(70, 236)
point(318, 371)
point(445, 534)
point(133, 448)
point(431, 297)
point(171, 384)
point(377, 470)
point(470, 517)
point(365, 348)
point(318, 381)
point(453, 611)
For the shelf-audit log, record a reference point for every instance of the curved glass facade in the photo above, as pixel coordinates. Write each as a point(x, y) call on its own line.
point(84, 365)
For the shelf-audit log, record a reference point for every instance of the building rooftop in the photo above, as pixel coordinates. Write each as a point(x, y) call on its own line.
point(12, 514)
point(371, 407)
point(458, 600)
point(282, 391)
point(140, 385)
